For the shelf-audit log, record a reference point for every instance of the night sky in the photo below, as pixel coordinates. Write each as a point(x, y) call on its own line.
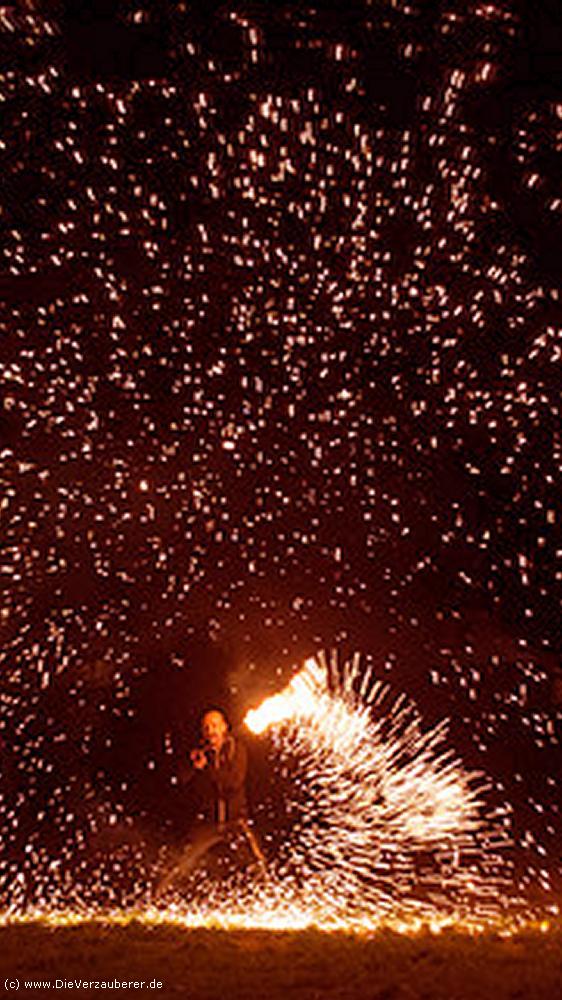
point(280, 362)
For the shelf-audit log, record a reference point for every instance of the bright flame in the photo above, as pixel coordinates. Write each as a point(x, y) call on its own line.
point(297, 700)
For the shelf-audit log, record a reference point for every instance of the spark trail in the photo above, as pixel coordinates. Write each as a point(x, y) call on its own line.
point(296, 273)
point(389, 820)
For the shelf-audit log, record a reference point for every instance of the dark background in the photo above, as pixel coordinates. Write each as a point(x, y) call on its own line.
point(252, 411)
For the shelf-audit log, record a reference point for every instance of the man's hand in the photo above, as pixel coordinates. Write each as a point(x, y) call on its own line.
point(198, 759)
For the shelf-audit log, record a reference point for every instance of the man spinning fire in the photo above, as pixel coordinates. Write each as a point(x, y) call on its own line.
point(224, 759)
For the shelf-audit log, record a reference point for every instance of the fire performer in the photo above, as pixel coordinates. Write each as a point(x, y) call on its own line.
point(224, 759)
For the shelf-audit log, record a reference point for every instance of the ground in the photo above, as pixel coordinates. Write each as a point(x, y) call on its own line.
point(255, 965)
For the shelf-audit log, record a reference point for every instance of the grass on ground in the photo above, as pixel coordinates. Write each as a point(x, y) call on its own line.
point(306, 965)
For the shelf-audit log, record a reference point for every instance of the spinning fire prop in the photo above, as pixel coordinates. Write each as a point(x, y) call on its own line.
point(389, 827)
point(269, 274)
point(389, 822)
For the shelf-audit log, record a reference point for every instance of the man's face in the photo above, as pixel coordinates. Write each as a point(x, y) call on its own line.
point(214, 729)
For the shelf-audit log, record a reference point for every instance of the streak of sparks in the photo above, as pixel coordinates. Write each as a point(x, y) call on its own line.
point(379, 791)
point(242, 311)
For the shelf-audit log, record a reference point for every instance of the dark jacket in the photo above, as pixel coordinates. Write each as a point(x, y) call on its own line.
point(227, 772)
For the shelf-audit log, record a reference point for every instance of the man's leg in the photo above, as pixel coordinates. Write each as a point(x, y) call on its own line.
point(253, 842)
